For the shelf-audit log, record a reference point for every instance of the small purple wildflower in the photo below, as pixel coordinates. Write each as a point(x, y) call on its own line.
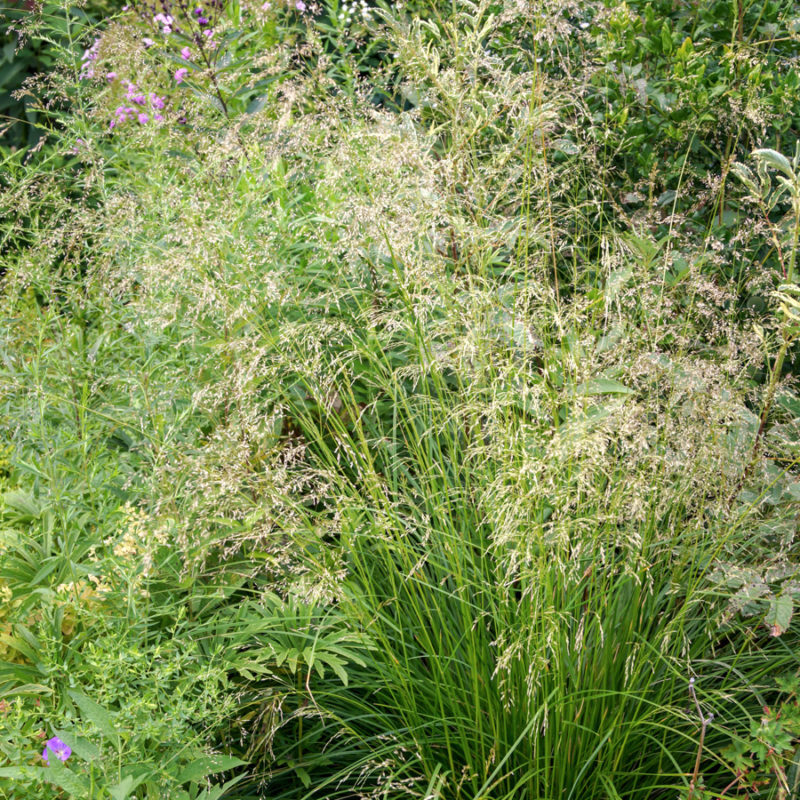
point(267, 6)
point(180, 74)
point(58, 748)
point(209, 33)
point(143, 118)
point(147, 41)
point(158, 117)
point(186, 53)
point(202, 21)
point(89, 55)
point(300, 5)
point(198, 12)
point(156, 101)
point(111, 77)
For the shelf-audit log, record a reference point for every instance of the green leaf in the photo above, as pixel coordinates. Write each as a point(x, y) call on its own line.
point(97, 715)
point(22, 503)
point(215, 792)
point(337, 665)
point(775, 159)
point(779, 614)
point(208, 765)
point(82, 748)
point(257, 104)
point(17, 773)
point(28, 688)
point(601, 386)
point(666, 38)
point(304, 777)
point(60, 775)
point(737, 754)
point(123, 789)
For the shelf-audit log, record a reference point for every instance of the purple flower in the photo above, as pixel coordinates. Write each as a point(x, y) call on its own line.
point(158, 117)
point(143, 119)
point(186, 54)
point(208, 32)
point(300, 5)
point(156, 101)
point(180, 74)
point(198, 12)
point(58, 748)
point(112, 76)
point(202, 21)
point(147, 41)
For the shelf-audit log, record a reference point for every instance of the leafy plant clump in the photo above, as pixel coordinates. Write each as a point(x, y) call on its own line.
point(385, 415)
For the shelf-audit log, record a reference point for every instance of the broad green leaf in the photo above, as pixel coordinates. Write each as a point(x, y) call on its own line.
point(746, 176)
point(774, 159)
point(215, 792)
point(17, 773)
point(97, 715)
point(17, 644)
point(123, 789)
point(601, 386)
point(208, 765)
point(779, 614)
point(82, 748)
point(304, 777)
point(22, 503)
point(60, 775)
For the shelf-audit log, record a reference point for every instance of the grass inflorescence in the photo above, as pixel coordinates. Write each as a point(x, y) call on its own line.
point(382, 416)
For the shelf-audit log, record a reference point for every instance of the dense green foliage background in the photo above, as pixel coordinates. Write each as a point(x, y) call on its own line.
point(399, 400)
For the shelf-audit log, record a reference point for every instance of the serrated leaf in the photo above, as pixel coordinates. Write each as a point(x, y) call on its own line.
point(337, 665)
point(779, 615)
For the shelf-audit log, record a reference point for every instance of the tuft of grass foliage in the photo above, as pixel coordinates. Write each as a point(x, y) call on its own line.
point(359, 443)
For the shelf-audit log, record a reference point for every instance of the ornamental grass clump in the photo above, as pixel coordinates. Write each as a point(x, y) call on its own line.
point(409, 462)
